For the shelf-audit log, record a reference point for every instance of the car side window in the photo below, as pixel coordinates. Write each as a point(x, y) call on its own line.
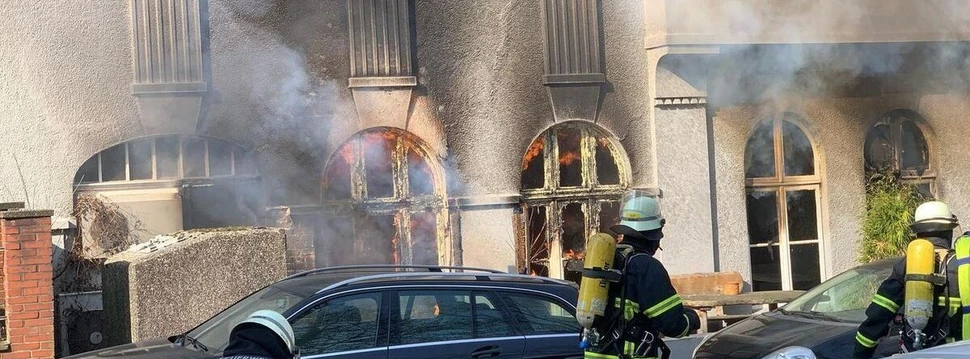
point(489, 321)
point(541, 315)
point(432, 316)
point(338, 325)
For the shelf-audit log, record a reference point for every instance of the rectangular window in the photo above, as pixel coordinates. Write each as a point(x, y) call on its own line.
point(433, 316)
point(540, 315)
point(140, 159)
point(339, 325)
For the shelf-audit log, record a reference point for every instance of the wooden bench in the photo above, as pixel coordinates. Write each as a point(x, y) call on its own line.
point(707, 293)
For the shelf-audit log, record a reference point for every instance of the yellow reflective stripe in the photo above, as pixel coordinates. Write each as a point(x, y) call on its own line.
point(663, 306)
point(591, 355)
point(886, 303)
point(866, 342)
point(628, 348)
point(686, 327)
point(963, 276)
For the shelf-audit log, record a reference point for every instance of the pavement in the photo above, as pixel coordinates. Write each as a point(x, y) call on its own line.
point(683, 348)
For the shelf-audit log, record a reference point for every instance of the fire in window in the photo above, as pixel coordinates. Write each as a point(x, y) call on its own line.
point(573, 176)
point(383, 193)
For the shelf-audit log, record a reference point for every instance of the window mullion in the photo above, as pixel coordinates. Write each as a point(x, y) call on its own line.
point(552, 161)
point(399, 170)
point(404, 237)
point(587, 153)
point(818, 233)
point(778, 149)
point(554, 235)
point(358, 186)
point(154, 160)
point(783, 245)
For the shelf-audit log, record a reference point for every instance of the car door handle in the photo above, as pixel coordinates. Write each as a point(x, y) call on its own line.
point(487, 352)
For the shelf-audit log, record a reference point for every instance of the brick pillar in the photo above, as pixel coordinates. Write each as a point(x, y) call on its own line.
point(27, 282)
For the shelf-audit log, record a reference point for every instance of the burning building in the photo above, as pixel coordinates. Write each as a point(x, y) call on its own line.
point(493, 134)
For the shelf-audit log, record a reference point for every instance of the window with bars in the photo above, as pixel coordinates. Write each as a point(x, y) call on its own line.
point(783, 199)
point(384, 198)
point(573, 177)
point(897, 143)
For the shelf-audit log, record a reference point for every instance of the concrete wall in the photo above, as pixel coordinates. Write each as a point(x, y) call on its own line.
point(189, 277)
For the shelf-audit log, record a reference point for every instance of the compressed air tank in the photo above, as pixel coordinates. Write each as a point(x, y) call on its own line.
point(594, 292)
point(920, 261)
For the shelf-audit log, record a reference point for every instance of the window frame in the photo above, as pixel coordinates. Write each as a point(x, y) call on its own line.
point(402, 204)
point(780, 184)
point(590, 195)
point(895, 120)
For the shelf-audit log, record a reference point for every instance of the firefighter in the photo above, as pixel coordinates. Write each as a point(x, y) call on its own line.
point(933, 222)
point(645, 304)
point(265, 334)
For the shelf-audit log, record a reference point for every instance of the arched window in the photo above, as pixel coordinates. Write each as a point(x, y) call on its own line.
point(384, 195)
point(573, 176)
point(168, 183)
point(896, 143)
point(783, 206)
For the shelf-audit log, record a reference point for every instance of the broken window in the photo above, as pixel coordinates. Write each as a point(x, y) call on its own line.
point(573, 177)
point(166, 183)
point(783, 186)
point(896, 143)
point(384, 201)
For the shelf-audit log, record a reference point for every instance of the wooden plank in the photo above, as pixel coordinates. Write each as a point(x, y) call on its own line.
point(754, 298)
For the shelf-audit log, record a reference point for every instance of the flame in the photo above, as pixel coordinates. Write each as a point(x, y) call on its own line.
point(534, 150)
point(346, 153)
point(568, 158)
point(570, 254)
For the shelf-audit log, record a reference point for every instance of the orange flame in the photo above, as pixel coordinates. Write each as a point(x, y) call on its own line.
point(534, 150)
point(568, 158)
point(570, 254)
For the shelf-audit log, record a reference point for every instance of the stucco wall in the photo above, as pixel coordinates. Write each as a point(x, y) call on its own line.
point(838, 128)
point(65, 71)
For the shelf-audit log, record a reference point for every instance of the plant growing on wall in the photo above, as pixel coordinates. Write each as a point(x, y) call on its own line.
point(890, 204)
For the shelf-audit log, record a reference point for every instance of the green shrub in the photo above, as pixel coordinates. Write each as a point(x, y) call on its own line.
point(890, 204)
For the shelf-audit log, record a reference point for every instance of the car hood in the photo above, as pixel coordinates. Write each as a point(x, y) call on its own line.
point(152, 349)
point(760, 335)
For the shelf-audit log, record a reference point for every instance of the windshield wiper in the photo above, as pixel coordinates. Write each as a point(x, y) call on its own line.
point(186, 339)
point(812, 315)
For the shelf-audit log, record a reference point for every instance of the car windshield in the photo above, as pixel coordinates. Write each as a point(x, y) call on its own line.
point(214, 333)
point(843, 298)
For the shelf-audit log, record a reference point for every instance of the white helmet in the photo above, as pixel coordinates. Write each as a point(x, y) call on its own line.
point(933, 216)
point(278, 324)
point(640, 213)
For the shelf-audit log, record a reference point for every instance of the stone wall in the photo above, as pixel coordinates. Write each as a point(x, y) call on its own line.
point(173, 283)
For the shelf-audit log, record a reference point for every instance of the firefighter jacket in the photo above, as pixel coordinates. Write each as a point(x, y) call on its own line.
point(888, 301)
point(650, 307)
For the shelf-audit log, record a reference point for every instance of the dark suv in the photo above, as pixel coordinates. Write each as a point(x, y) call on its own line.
point(382, 312)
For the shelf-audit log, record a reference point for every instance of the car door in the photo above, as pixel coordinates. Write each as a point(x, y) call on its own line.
point(549, 324)
point(449, 324)
point(344, 327)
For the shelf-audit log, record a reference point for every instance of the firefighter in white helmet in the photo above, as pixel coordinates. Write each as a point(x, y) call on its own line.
point(645, 303)
point(934, 223)
point(265, 334)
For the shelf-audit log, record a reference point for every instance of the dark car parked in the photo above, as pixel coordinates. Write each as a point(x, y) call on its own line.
point(381, 312)
point(821, 323)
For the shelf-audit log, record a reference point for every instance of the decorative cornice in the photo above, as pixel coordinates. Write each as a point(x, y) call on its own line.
point(383, 81)
point(680, 101)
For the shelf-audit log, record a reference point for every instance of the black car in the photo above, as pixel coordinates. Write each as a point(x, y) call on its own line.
point(821, 323)
point(381, 312)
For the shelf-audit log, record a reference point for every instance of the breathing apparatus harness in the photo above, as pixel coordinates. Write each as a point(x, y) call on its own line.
point(619, 328)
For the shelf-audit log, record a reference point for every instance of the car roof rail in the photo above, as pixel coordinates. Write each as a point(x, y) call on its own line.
point(389, 267)
point(478, 277)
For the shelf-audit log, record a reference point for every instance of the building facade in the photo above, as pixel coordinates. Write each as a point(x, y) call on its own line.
point(494, 134)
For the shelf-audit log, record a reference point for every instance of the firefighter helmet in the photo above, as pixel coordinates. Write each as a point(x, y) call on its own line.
point(277, 323)
point(640, 212)
point(933, 216)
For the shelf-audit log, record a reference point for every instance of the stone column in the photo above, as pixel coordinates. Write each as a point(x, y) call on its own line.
point(28, 287)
